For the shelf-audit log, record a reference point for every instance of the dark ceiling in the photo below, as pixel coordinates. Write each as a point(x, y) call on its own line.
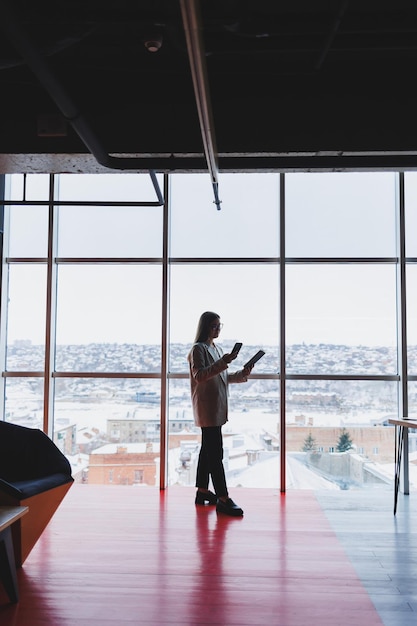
point(235, 86)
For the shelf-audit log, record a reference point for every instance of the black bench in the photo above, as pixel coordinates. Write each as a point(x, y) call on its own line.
point(33, 473)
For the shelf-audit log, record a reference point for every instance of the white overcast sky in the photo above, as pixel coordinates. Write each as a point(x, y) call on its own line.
point(329, 215)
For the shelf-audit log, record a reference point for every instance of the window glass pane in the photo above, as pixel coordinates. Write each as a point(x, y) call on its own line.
point(28, 231)
point(246, 225)
point(26, 318)
point(108, 318)
point(250, 437)
point(410, 185)
point(340, 215)
point(341, 319)
point(338, 435)
point(37, 186)
point(245, 297)
point(28, 187)
point(109, 429)
point(24, 401)
point(412, 435)
point(14, 187)
point(107, 187)
point(85, 231)
point(183, 436)
point(412, 318)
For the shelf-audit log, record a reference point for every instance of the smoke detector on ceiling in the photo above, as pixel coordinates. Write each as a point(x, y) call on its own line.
point(153, 44)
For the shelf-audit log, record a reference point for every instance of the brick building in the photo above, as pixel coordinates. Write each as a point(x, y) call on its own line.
point(127, 464)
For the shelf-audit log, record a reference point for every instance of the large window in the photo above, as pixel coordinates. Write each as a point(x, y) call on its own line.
point(102, 289)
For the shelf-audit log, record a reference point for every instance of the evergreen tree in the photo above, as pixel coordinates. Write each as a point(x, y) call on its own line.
point(309, 443)
point(345, 442)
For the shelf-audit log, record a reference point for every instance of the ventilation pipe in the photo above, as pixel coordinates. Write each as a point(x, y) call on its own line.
point(192, 27)
point(69, 110)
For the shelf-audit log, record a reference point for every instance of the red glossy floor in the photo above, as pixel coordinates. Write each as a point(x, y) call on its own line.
point(115, 556)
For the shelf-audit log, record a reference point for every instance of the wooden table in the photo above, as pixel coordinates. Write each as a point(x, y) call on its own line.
point(8, 516)
point(401, 448)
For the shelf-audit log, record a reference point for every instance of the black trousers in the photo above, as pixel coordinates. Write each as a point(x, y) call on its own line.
point(210, 461)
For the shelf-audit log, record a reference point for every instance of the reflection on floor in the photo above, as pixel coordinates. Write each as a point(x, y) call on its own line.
point(115, 556)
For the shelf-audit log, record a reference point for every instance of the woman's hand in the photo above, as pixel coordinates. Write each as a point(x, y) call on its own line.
point(229, 357)
point(247, 370)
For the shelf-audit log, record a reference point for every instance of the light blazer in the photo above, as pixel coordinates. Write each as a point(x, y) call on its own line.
point(209, 382)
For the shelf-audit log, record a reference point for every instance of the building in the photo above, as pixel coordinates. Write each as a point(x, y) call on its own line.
point(128, 464)
point(145, 427)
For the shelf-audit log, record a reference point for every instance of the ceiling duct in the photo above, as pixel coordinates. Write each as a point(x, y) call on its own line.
point(64, 102)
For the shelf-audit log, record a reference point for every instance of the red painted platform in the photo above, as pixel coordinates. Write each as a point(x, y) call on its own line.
point(115, 556)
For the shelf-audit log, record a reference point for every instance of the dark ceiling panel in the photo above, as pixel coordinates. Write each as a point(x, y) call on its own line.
point(291, 84)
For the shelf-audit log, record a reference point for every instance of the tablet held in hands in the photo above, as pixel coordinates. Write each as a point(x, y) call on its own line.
point(254, 359)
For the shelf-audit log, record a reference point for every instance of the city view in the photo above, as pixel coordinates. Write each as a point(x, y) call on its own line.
point(109, 428)
point(333, 288)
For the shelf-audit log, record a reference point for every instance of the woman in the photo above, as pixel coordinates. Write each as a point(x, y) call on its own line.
point(209, 381)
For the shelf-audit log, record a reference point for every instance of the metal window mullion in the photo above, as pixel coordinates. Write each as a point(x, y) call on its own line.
point(4, 288)
point(341, 260)
point(402, 323)
point(76, 374)
point(50, 317)
point(163, 467)
point(282, 341)
point(83, 203)
point(222, 260)
point(374, 377)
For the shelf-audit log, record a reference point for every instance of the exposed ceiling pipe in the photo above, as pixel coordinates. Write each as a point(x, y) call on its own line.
point(193, 34)
point(68, 108)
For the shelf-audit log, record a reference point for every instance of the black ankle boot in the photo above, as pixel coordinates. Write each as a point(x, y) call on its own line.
point(201, 497)
point(229, 508)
